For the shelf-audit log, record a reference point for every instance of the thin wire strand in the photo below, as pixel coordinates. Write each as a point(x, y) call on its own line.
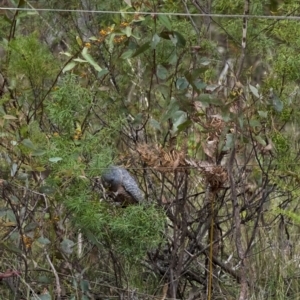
point(150, 13)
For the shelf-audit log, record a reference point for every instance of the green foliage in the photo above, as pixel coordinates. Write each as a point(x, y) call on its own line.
point(131, 231)
point(27, 56)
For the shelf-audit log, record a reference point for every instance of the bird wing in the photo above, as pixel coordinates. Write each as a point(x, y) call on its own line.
point(131, 187)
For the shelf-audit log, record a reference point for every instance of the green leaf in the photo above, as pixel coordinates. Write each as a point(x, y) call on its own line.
point(9, 117)
point(79, 40)
point(14, 169)
point(55, 159)
point(43, 241)
point(155, 124)
point(254, 123)
point(161, 72)
point(206, 99)
point(172, 108)
point(181, 42)
point(90, 60)
point(229, 142)
point(199, 84)
point(179, 117)
point(44, 279)
point(184, 125)
point(80, 60)
point(260, 140)
point(254, 91)
point(182, 83)
point(204, 61)
point(84, 285)
point(164, 20)
point(69, 66)
point(46, 189)
point(67, 246)
point(30, 227)
point(127, 31)
point(42, 297)
point(102, 73)
point(277, 103)
point(127, 54)
point(28, 143)
point(263, 114)
point(142, 49)
point(38, 152)
point(155, 41)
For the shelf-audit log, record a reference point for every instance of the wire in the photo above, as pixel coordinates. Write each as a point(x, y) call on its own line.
point(151, 13)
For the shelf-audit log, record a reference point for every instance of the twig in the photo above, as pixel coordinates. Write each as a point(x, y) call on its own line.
point(58, 288)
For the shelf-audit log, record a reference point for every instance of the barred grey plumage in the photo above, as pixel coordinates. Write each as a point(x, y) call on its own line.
point(122, 184)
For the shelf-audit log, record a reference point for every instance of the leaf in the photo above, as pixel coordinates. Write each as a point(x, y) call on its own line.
point(155, 124)
point(14, 169)
point(161, 72)
point(55, 159)
point(277, 103)
point(127, 54)
point(179, 117)
point(79, 60)
point(212, 87)
point(90, 60)
point(254, 91)
point(9, 117)
point(199, 84)
point(66, 53)
point(260, 140)
point(44, 279)
point(182, 83)
point(38, 152)
point(254, 123)
point(42, 297)
point(46, 189)
point(184, 125)
point(164, 20)
point(142, 49)
point(128, 31)
point(28, 143)
point(84, 285)
point(69, 66)
point(102, 73)
point(128, 2)
point(172, 108)
point(79, 41)
point(181, 42)
point(30, 227)
point(206, 99)
point(67, 246)
point(43, 241)
point(263, 114)
point(155, 41)
point(204, 61)
point(229, 142)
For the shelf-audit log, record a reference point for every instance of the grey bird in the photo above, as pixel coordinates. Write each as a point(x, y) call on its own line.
point(122, 185)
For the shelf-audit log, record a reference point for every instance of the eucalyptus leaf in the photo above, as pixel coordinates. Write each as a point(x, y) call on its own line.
point(162, 72)
point(55, 159)
point(67, 246)
point(182, 83)
point(164, 20)
point(90, 59)
point(69, 66)
point(28, 143)
point(155, 41)
point(43, 241)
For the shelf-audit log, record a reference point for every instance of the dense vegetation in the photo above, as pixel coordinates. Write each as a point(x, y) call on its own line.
point(202, 110)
